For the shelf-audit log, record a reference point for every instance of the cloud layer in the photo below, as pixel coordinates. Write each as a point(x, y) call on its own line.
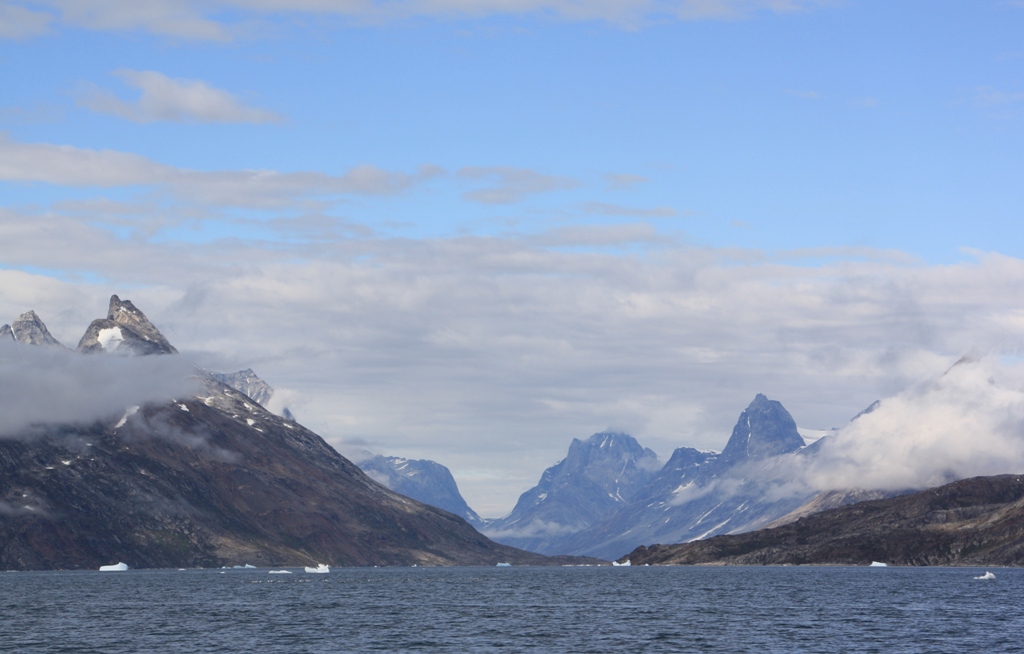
point(188, 19)
point(177, 100)
point(490, 354)
point(42, 386)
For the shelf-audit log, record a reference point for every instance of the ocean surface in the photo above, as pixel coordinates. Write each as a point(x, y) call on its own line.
point(731, 609)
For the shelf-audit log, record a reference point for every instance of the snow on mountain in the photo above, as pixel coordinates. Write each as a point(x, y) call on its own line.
point(424, 481)
point(124, 330)
point(246, 381)
point(597, 476)
point(700, 494)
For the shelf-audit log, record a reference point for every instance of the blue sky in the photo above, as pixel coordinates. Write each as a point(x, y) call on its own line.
point(453, 190)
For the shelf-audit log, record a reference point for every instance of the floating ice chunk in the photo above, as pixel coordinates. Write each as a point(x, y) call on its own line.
point(504, 565)
point(319, 569)
point(622, 565)
point(876, 564)
point(183, 408)
point(987, 575)
point(249, 567)
point(117, 567)
point(250, 421)
point(279, 572)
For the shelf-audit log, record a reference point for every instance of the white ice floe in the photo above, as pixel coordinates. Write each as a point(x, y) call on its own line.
point(183, 408)
point(987, 575)
point(504, 565)
point(118, 567)
point(279, 572)
point(622, 565)
point(876, 564)
point(320, 569)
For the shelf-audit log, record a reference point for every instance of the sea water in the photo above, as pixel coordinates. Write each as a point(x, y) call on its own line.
point(673, 609)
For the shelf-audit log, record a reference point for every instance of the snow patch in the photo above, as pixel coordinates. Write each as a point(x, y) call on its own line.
point(130, 411)
point(109, 338)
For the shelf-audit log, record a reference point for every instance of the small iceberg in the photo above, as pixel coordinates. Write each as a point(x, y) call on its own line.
point(281, 572)
point(117, 567)
point(504, 565)
point(319, 569)
point(987, 575)
point(622, 565)
point(876, 564)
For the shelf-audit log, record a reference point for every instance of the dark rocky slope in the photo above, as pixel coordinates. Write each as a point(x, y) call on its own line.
point(972, 522)
point(210, 480)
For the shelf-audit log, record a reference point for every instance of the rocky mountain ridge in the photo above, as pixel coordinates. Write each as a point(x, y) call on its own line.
point(597, 475)
point(208, 480)
point(971, 522)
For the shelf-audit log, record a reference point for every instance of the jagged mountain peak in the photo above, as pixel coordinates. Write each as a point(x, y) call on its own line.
point(30, 330)
point(598, 475)
point(6, 332)
point(125, 330)
point(248, 382)
point(764, 429)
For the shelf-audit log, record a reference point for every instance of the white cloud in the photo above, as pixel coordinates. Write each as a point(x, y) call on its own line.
point(42, 386)
point(511, 185)
point(607, 209)
point(621, 181)
point(17, 22)
point(71, 166)
point(968, 423)
point(178, 100)
point(176, 18)
point(195, 19)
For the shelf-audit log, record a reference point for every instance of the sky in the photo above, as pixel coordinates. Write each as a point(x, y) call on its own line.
point(471, 230)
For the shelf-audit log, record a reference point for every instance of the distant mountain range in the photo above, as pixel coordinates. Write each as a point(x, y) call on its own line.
point(610, 495)
point(971, 522)
point(207, 480)
point(423, 481)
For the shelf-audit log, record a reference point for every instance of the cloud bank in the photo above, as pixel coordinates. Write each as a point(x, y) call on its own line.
point(968, 423)
point(41, 386)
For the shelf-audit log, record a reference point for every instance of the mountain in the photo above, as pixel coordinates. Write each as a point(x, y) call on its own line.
point(971, 522)
point(422, 480)
point(699, 494)
point(596, 477)
point(207, 480)
point(246, 381)
point(125, 330)
point(30, 330)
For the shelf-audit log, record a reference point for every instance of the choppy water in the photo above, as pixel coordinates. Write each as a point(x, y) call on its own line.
point(805, 609)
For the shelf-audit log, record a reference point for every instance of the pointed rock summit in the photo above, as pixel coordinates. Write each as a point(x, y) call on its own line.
point(599, 475)
point(6, 333)
point(30, 330)
point(764, 429)
point(124, 330)
point(248, 382)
